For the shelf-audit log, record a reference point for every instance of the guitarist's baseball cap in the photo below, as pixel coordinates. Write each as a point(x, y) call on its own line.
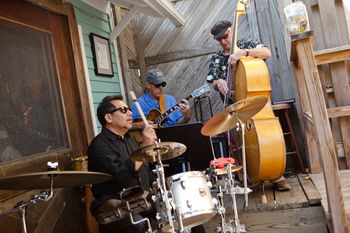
point(220, 28)
point(156, 77)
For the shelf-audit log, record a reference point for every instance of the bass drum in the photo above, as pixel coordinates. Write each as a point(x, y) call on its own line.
point(192, 196)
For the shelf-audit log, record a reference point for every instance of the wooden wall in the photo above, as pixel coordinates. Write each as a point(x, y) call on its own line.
point(328, 20)
point(182, 53)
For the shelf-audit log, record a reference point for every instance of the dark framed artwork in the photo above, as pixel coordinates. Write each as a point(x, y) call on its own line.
point(101, 55)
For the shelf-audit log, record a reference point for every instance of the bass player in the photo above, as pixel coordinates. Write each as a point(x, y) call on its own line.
point(218, 65)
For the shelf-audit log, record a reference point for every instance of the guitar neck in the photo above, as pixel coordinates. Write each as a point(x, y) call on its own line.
point(165, 114)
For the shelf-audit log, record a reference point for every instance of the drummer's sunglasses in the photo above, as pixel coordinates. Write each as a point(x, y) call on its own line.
point(121, 109)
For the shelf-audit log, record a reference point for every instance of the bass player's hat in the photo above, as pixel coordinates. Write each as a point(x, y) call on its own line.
point(220, 28)
point(156, 77)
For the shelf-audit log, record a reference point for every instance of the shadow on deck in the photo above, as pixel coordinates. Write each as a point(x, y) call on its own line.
point(298, 210)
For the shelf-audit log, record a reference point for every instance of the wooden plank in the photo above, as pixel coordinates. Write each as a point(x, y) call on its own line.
point(295, 198)
point(332, 55)
point(177, 55)
point(123, 57)
point(338, 111)
point(344, 175)
point(312, 147)
point(323, 132)
point(309, 189)
point(341, 88)
point(310, 220)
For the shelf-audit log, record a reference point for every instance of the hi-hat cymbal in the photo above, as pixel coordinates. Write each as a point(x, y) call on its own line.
point(61, 179)
point(240, 111)
point(166, 150)
point(223, 171)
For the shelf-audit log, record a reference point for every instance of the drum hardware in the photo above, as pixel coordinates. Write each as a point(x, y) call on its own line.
point(47, 180)
point(134, 194)
point(161, 182)
point(22, 206)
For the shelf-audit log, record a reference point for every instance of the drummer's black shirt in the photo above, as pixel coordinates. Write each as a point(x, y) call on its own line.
point(110, 153)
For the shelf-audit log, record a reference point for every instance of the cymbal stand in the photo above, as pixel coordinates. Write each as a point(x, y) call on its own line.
point(163, 190)
point(22, 206)
point(237, 227)
point(246, 191)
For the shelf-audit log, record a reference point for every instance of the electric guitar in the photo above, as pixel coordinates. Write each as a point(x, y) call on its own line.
point(160, 118)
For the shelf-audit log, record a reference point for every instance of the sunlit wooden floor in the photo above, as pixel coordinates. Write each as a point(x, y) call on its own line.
point(298, 210)
point(344, 176)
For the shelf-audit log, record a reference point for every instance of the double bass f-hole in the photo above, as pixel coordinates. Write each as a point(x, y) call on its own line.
point(249, 125)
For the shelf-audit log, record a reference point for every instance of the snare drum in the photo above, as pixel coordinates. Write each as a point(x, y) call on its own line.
point(192, 196)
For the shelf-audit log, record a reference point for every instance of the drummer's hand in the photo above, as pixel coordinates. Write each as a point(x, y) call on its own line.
point(148, 135)
point(221, 86)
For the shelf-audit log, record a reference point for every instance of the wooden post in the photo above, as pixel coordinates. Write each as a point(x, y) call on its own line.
point(304, 62)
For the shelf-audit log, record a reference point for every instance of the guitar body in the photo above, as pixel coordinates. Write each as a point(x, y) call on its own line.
point(265, 147)
point(153, 114)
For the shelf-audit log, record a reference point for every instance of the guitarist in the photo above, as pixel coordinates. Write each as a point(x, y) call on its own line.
point(155, 99)
point(222, 32)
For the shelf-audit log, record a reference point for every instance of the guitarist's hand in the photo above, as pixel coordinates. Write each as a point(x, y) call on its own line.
point(148, 135)
point(185, 108)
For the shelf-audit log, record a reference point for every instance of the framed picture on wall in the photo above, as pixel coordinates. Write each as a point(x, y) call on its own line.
point(101, 55)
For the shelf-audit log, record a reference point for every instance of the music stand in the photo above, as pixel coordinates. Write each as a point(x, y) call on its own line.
point(198, 153)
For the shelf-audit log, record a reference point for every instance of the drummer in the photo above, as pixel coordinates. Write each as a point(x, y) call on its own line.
point(109, 152)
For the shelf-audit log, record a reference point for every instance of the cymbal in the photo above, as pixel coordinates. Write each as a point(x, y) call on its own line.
point(167, 150)
point(222, 171)
point(240, 111)
point(61, 179)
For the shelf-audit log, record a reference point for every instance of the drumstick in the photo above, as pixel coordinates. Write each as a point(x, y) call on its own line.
point(138, 106)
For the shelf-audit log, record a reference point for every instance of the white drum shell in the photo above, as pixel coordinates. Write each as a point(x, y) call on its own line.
point(192, 196)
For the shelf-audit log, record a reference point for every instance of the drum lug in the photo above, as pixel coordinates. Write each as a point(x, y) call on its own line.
point(189, 205)
point(183, 184)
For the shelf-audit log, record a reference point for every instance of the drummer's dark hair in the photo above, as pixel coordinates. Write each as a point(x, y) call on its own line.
point(105, 106)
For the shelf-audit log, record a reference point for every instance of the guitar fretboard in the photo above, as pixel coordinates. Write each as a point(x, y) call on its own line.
point(159, 119)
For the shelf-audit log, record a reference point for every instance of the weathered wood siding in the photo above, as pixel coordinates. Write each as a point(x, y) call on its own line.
point(328, 20)
point(182, 53)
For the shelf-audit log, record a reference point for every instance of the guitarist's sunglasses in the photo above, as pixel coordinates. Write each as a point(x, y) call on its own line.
point(159, 85)
point(121, 109)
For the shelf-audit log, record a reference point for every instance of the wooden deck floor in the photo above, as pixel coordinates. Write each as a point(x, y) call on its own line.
point(295, 211)
point(345, 186)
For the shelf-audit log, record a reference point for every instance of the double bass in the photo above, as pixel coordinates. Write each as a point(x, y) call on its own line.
point(265, 146)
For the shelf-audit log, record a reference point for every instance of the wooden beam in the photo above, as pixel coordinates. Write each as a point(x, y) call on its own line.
point(175, 56)
point(338, 111)
point(322, 129)
point(124, 22)
point(168, 10)
point(332, 55)
point(315, 2)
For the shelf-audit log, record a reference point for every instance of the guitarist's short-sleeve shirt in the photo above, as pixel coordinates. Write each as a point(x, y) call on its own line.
point(147, 103)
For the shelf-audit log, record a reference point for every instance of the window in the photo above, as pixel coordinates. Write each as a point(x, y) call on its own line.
point(31, 116)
